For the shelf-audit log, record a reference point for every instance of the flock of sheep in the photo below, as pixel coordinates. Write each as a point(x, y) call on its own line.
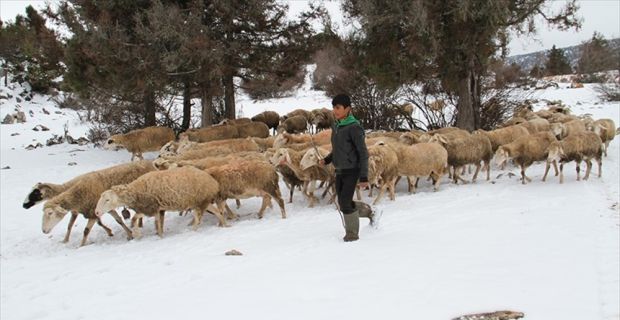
point(203, 168)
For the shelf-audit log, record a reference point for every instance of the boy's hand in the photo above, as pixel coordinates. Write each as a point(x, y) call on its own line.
point(322, 162)
point(363, 185)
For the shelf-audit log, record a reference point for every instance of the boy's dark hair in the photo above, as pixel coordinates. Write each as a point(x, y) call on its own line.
point(341, 99)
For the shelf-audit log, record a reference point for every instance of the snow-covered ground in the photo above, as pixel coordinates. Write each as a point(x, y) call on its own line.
point(545, 249)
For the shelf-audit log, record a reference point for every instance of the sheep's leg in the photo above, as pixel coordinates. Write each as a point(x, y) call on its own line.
point(278, 196)
point(392, 187)
point(555, 167)
point(107, 230)
point(381, 191)
point(605, 149)
point(578, 169)
point(291, 190)
point(436, 181)
point(266, 199)
point(561, 172)
point(160, 224)
point(118, 219)
point(397, 179)
point(488, 166)
point(412, 186)
point(89, 226)
point(370, 188)
point(547, 167)
point(358, 192)
point(136, 224)
point(523, 177)
point(231, 215)
point(221, 207)
point(238, 202)
point(70, 226)
point(457, 176)
point(600, 164)
point(473, 179)
point(588, 169)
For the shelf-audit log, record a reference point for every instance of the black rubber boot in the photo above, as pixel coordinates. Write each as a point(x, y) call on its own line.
point(351, 226)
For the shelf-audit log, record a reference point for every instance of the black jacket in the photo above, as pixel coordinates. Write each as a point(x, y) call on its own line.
point(349, 153)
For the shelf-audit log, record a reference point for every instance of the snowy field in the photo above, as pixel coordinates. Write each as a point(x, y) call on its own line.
point(545, 249)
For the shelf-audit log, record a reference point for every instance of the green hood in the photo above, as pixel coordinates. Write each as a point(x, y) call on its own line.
point(350, 119)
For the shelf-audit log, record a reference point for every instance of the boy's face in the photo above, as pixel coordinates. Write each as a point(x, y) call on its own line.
point(341, 112)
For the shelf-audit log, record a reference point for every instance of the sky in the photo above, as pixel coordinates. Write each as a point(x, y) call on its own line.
point(598, 15)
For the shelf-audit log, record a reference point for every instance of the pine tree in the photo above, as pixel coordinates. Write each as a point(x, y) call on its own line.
point(452, 39)
point(596, 55)
point(557, 63)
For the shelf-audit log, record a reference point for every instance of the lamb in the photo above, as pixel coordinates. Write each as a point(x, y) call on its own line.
point(246, 178)
point(270, 118)
point(156, 192)
point(292, 159)
point(219, 132)
point(294, 124)
point(605, 129)
point(576, 147)
point(563, 130)
point(141, 140)
point(253, 129)
point(526, 150)
point(82, 197)
point(467, 150)
point(382, 169)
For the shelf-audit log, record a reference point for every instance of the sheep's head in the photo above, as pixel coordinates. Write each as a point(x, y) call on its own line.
point(311, 158)
point(281, 139)
point(556, 152)
point(597, 128)
point(108, 201)
point(438, 138)
point(169, 148)
point(52, 214)
point(39, 192)
point(502, 155)
point(162, 164)
point(281, 156)
point(557, 129)
point(112, 143)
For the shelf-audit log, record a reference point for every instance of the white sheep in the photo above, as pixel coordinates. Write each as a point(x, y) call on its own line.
point(563, 130)
point(141, 140)
point(605, 128)
point(576, 147)
point(246, 178)
point(83, 196)
point(471, 149)
point(159, 191)
point(424, 159)
point(383, 167)
point(526, 150)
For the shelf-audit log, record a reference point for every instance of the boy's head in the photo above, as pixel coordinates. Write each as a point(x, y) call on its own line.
point(342, 106)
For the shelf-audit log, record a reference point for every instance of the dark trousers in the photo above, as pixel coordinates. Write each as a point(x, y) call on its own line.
point(345, 188)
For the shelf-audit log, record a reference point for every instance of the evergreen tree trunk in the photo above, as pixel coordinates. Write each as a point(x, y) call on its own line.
point(207, 107)
point(465, 118)
point(476, 101)
point(229, 96)
point(187, 105)
point(149, 108)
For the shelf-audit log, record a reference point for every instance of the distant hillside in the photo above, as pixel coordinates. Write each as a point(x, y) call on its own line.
point(529, 60)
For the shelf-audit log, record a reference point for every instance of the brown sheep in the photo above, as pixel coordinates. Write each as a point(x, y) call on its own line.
point(526, 150)
point(563, 130)
point(323, 119)
point(576, 147)
point(253, 129)
point(297, 112)
point(382, 169)
point(294, 124)
point(270, 118)
point(141, 140)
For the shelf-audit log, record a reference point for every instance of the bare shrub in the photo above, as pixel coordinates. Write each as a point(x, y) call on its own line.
point(608, 92)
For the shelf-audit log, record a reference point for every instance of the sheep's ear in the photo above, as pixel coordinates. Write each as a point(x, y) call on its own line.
point(287, 156)
point(110, 141)
point(441, 138)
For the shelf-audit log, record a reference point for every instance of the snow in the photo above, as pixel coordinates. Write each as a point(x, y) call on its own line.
point(545, 249)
